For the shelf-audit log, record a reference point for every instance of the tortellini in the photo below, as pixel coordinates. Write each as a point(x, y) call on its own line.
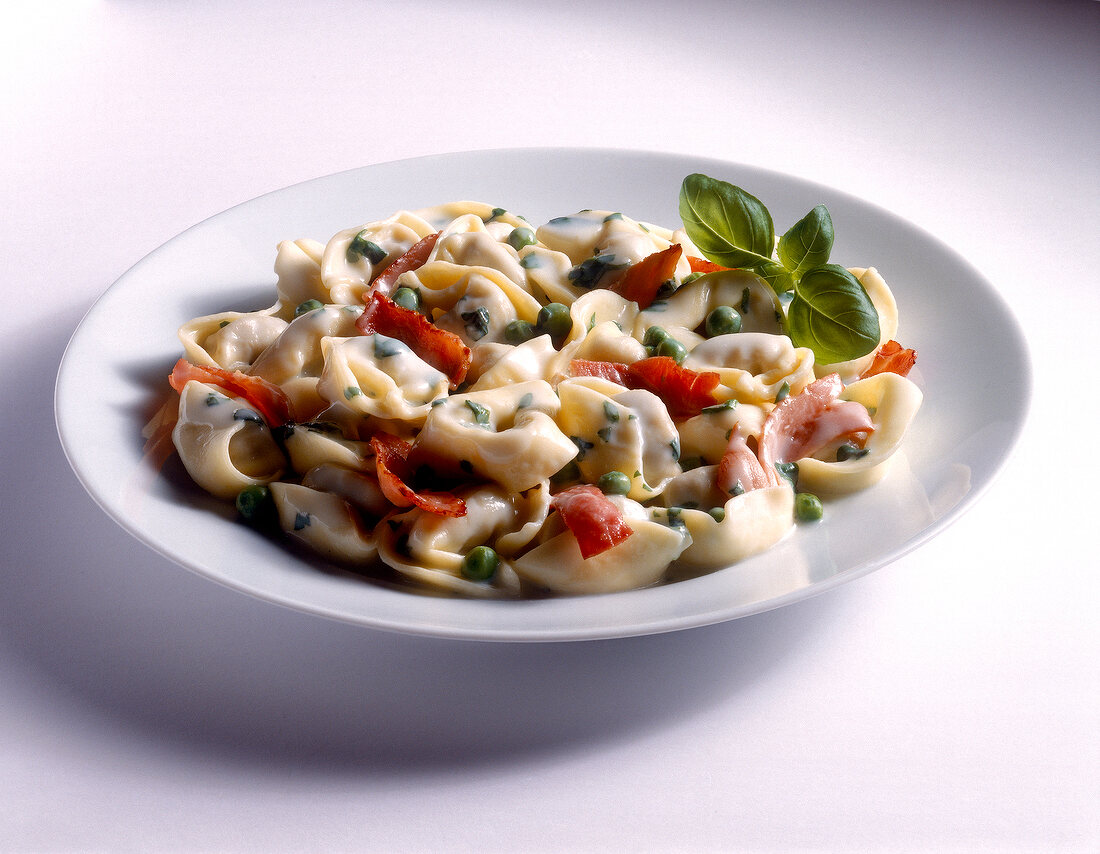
point(224, 443)
point(893, 402)
point(231, 339)
point(754, 367)
point(506, 435)
point(380, 376)
point(617, 429)
point(435, 422)
point(557, 564)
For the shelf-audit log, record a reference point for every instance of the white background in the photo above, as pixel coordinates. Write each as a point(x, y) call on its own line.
point(949, 702)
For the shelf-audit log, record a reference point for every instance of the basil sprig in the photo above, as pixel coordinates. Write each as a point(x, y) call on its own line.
point(829, 312)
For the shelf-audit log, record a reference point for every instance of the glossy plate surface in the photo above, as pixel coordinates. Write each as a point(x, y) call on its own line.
point(114, 374)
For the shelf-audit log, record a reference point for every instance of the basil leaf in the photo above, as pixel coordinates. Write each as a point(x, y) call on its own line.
point(775, 274)
point(832, 315)
point(730, 227)
point(808, 242)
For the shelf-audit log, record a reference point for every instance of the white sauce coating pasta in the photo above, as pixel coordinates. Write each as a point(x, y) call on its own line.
point(498, 420)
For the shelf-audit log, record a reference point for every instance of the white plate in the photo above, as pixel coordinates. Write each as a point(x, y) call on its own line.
point(972, 367)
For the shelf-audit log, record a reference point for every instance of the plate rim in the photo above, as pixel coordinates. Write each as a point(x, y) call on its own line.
point(592, 632)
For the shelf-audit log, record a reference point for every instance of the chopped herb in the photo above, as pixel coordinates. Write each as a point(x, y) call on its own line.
point(223, 324)
point(666, 289)
point(583, 447)
point(213, 399)
point(737, 489)
point(588, 273)
point(604, 433)
point(783, 393)
point(407, 298)
point(439, 401)
point(725, 406)
point(308, 306)
point(385, 347)
point(525, 401)
point(477, 323)
point(246, 414)
point(612, 216)
point(745, 295)
point(361, 247)
point(675, 446)
point(530, 261)
point(851, 451)
point(301, 520)
point(658, 305)
point(481, 414)
point(674, 517)
point(323, 427)
point(591, 322)
point(610, 411)
point(568, 473)
point(689, 463)
point(352, 391)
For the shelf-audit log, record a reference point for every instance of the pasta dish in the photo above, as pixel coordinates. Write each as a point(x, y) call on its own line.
point(493, 408)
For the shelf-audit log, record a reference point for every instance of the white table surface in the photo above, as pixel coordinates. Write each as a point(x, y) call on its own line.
point(948, 702)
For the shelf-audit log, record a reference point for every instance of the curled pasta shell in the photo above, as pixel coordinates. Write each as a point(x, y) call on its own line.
point(639, 561)
point(323, 522)
point(224, 445)
point(893, 401)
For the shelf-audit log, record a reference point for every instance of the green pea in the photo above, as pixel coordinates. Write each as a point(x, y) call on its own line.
point(723, 321)
point(521, 237)
point(717, 513)
point(654, 336)
point(308, 306)
point(807, 507)
point(519, 331)
point(407, 298)
point(480, 563)
point(614, 483)
point(254, 503)
point(554, 320)
point(789, 472)
point(673, 349)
